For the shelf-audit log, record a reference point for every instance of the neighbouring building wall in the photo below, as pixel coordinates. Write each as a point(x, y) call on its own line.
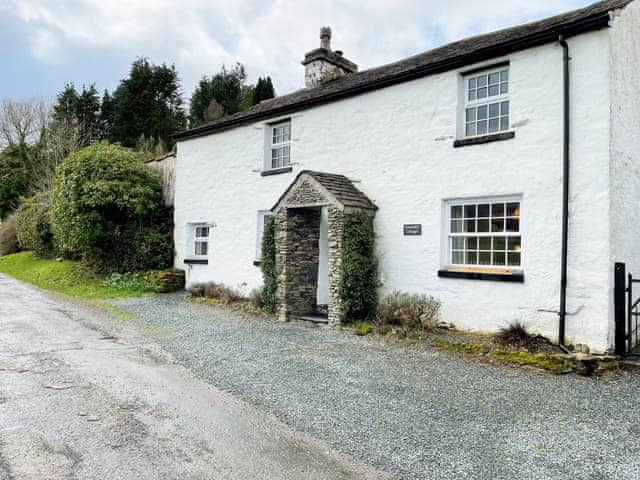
point(398, 144)
point(625, 142)
point(165, 166)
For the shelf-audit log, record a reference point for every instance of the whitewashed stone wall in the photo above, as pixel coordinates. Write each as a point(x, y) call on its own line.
point(399, 143)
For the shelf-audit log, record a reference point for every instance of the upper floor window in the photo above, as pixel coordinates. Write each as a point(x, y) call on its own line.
point(280, 140)
point(484, 233)
point(486, 102)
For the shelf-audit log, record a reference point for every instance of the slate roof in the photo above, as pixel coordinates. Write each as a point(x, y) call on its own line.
point(339, 186)
point(447, 57)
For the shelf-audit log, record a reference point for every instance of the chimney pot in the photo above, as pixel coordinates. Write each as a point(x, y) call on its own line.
point(325, 38)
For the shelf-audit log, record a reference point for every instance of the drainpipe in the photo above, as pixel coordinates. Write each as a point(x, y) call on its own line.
point(565, 192)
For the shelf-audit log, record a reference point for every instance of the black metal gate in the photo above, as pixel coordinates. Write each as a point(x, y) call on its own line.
point(627, 312)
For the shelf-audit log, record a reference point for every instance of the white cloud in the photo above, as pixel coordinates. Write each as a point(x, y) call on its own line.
point(270, 38)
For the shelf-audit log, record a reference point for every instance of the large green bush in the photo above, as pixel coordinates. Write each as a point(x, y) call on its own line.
point(33, 225)
point(106, 208)
point(359, 285)
point(268, 266)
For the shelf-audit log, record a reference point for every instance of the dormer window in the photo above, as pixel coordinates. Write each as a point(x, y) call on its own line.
point(280, 145)
point(486, 109)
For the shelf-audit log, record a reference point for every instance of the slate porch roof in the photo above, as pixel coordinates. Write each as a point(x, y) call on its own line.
point(447, 57)
point(339, 186)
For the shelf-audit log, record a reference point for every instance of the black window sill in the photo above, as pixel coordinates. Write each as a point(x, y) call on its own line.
point(196, 261)
point(494, 137)
point(257, 263)
point(517, 277)
point(276, 171)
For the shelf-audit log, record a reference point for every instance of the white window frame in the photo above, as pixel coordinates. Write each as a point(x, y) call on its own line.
point(262, 220)
point(200, 239)
point(513, 240)
point(473, 106)
point(278, 143)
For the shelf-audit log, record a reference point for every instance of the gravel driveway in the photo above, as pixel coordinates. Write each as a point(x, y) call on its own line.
point(407, 408)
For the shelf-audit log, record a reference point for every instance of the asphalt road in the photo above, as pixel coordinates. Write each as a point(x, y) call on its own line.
point(77, 402)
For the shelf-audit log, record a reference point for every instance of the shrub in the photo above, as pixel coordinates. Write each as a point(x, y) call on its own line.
point(358, 288)
point(362, 329)
point(106, 207)
point(129, 281)
point(34, 227)
point(513, 335)
point(408, 310)
point(268, 266)
point(219, 291)
point(8, 236)
point(255, 298)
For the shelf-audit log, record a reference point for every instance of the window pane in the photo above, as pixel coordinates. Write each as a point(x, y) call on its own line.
point(494, 110)
point(201, 248)
point(494, 78)
point(482, 127)
point(494, 90)
point(472, 94)
point(497, 225)
point(497, 210)
point(482, 112)
point(494, 125)
point(457, 258)
point(457, 243)
point(514, 259)
point(472, 83)
point(471, 114)
point(472, 243)
point(483, 226)
point(484, 258)
point(499, 243)
point(499, 258)
point(472, 258)
point(485, 243)
point(482, 92)
point(504, 76)
point(483, 210)
point(470, 226)
point(456, 211)
point(470, 130)
point(456, 226)
point(504, 123)
point(482, 81)
point(504, 88)
point(504, 108)
point(513, 225)
point(513, 209)
point(514, 244)
point(202, 232)
point(469, 211)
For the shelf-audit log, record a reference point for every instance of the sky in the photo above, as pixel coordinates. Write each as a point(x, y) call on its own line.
point(47, 43)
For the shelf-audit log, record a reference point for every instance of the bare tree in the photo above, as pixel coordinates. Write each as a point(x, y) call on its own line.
point(22, 121)
point(58, 140)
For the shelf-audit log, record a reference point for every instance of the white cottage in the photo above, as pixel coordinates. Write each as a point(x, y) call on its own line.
point(493, 166)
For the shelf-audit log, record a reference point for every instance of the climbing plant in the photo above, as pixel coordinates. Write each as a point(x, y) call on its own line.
point(268, 266)
point(359, 285)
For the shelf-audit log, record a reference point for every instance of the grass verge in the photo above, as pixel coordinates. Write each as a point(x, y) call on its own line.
point(69, 278)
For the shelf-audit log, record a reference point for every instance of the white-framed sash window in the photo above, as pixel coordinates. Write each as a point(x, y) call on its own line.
point(486, 102)
point(200, 243)
point(280, 145)
point(484, 233)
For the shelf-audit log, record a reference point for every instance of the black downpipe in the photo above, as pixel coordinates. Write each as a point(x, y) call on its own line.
point(565, 192)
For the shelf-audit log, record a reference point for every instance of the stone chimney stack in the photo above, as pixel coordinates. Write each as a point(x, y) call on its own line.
point(322, 64)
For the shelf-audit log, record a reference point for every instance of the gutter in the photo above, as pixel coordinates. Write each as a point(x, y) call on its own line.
point(565, 190)
point(593, 22)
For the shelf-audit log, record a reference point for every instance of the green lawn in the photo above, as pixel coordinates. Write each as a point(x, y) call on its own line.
point(64, 276)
